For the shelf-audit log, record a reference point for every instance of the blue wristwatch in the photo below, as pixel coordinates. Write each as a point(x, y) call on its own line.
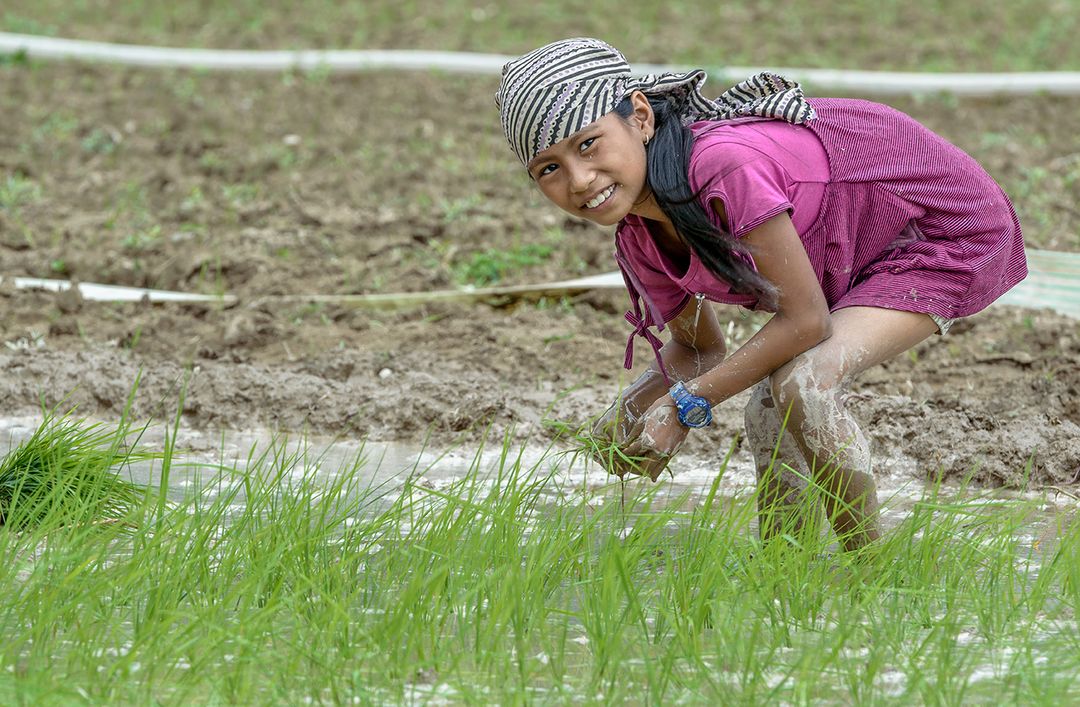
point(694, 410)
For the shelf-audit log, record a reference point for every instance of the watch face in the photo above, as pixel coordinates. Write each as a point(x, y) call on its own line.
point(696, 415)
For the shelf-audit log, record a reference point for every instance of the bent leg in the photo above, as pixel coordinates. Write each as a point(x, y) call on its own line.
point(781, 469)
point(812, 386)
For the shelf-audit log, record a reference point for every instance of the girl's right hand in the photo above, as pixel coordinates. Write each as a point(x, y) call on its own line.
point(616, 422)
point(611, 432)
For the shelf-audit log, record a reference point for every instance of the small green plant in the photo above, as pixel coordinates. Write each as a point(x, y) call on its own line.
point(22, 24)
point(142, 239)
point(66, 473)
point(101, 141)
point(582, 443)
point(17, 191)
point(212, 162)
point(458, 208)
point(282, 155)
point(240, 194)
point(490, 266)
point(17, 58)
point(193, 201)
point(56, 127)
point(132, 339)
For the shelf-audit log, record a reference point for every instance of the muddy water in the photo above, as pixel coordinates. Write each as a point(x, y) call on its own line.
point(201, 457)
point(209, 461)
point(387, 466)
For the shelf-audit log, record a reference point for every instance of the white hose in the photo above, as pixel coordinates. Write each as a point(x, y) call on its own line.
point(865, 82)
point(1053, 282)
point(94, 292)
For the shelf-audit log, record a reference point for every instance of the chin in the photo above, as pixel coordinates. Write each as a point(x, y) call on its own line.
point(608, 218)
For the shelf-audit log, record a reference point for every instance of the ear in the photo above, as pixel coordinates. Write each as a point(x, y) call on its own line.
point(642, 116)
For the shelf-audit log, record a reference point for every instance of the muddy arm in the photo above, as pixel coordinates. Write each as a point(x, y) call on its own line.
point(801, 321)
point(696, 346)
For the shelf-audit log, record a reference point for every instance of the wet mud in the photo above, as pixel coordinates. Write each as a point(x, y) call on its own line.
point(259, 186)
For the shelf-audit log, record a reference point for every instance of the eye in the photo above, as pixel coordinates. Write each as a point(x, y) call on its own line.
point(586, 144)
point(546, 169)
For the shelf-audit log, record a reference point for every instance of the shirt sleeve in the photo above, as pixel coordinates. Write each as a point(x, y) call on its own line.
point(752, 186)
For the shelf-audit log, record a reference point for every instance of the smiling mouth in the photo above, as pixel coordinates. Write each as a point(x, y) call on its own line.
point(600, 198)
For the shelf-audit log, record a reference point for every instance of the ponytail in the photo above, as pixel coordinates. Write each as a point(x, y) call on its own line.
point(668, 176)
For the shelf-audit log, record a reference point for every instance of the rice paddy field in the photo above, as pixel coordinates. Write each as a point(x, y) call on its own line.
point(282, 502)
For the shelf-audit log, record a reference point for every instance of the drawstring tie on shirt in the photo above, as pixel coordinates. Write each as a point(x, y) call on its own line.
point(641, 321)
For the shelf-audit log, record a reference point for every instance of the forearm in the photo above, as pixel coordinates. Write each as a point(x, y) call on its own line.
point(776, 343)
point(683, 363)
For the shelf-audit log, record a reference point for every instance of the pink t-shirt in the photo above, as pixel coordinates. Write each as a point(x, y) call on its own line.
point(757, 169)
point(891, 215)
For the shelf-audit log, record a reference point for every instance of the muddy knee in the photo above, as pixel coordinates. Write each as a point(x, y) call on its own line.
point(807, 386)
point(811, 388)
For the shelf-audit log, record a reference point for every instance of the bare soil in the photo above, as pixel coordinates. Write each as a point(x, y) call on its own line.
point(264, 185)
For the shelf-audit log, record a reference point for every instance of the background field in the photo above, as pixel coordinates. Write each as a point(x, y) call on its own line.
point(258, 185)
point(924, 35)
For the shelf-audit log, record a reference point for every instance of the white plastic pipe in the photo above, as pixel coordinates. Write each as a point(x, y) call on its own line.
point(1053, 282)
point(865, 82)
point(117, 293)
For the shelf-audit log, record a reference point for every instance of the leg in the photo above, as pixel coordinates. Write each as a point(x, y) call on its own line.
point(781, 472)
point(811, 385)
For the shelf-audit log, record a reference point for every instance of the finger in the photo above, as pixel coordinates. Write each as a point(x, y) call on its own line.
point(643, 445)
point(616, 461)
point(603, 427)
point(636, 448)
point(627, 462)
point(634, 430)
point(651, 463)
point(633, 461)
point(656, 468)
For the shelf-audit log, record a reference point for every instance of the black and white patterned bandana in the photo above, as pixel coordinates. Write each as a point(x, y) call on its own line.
point(549, 94)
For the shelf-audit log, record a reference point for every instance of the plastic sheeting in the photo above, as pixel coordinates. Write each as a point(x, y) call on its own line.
point(864, 82)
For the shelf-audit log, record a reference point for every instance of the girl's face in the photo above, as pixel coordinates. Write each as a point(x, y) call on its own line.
point(598, 173)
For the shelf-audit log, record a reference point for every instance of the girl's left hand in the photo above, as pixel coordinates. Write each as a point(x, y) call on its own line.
point(657, 436)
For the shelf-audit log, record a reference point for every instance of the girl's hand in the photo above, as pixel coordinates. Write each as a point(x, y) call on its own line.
point(617, 422)
point(656, 438)
point(613, 430)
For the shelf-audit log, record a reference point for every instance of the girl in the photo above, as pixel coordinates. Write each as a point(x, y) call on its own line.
point(863, 231)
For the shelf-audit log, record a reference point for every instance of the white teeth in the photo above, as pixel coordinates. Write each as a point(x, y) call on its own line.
point(600, 198)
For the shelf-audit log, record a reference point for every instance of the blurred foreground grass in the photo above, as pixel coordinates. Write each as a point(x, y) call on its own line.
point(273, 583)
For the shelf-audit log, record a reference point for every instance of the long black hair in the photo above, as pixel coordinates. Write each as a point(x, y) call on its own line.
point(668, 176)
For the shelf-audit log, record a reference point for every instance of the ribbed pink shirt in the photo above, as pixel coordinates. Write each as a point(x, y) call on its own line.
point(891, 215)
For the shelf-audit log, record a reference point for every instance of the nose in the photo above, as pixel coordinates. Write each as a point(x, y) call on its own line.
point(582, 175)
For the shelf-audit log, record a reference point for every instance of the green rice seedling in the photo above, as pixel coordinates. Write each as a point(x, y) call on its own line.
point(274, 580)
point(582, 443)
point(67, 472)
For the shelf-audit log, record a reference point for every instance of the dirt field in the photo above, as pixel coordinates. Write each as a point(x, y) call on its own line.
point(264, 185)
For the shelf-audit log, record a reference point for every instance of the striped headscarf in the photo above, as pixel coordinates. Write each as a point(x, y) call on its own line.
point(549, 94)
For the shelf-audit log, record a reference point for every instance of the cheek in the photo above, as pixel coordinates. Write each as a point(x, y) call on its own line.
point(642, 167)
point(546, 191)
point(551, 190)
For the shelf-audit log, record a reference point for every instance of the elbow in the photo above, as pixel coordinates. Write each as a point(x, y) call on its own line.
point(822, 328)
point(812, 330)
point(710, 356)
